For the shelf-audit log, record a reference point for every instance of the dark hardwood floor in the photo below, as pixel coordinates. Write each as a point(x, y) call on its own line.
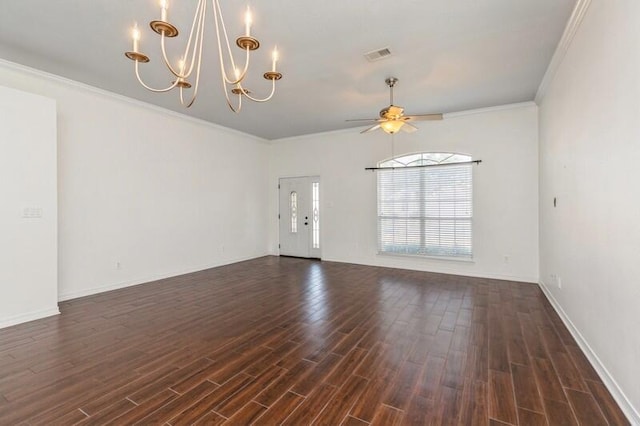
point(281, 340)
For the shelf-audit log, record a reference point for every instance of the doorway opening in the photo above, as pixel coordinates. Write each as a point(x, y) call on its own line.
point(299, 216)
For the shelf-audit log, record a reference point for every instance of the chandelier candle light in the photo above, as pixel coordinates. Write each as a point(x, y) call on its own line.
point(192, 58)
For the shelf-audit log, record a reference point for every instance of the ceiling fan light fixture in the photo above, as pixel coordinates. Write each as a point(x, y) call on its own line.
point(392, 126)
point(392, 118)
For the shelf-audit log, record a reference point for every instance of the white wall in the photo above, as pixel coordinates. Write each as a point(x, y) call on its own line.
point(505, 189)
point(590, 161)
point(155, 192)
point(28, 238)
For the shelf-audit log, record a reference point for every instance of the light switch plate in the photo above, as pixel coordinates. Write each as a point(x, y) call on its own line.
point(32, 213)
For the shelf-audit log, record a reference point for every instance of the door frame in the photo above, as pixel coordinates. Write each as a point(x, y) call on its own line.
point(314, 253)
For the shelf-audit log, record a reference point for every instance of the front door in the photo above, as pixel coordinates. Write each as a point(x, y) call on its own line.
point(300, 216)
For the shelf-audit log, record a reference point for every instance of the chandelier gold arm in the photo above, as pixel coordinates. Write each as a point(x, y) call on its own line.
point(229, 103)
point(174, 84)
point(239, 108)
point(191, 101)
point(219, 21)
point(192, 58)
point(239, 77)
point(198, 45)
point(197, 26)
point(273, 90)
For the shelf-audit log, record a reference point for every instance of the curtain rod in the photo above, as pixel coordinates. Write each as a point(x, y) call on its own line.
point(373, 169)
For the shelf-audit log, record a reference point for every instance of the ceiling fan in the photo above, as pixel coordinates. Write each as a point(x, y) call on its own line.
point(392, 118)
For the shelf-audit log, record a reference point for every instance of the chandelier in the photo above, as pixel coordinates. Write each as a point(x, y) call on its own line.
point(186, 72)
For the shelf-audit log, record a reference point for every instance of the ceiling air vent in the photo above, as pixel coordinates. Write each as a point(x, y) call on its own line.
point(376, 55)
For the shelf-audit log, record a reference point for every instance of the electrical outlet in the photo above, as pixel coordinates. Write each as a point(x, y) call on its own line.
point(506, 258)
point(555, 280)
point(118, 265)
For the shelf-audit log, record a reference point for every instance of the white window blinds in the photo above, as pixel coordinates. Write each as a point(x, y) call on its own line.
point(426, 211)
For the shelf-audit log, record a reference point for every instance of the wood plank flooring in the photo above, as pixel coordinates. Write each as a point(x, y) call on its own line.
point(292, 341)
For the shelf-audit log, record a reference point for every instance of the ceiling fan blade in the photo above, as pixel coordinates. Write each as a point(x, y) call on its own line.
point(423, 117)
point(408, 128)
point(364, 119)
point(371, 129)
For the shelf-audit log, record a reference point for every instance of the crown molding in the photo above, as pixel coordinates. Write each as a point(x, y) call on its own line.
point(445, 116)
point(488, 109)
point(316, 134)
point(13, 66)
point(578, 14)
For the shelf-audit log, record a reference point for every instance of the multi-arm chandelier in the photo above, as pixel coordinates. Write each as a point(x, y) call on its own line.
point(191, 60)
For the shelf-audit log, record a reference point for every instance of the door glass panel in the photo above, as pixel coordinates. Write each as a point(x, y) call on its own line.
point(316, 215)
point(293, 207)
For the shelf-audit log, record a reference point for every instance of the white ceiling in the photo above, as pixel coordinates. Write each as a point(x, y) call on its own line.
point(450, 55)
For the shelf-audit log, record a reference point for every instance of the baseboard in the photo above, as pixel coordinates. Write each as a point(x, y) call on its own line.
point(625, 405)
point(101, 289)
point(30, 316)
point(446, 271)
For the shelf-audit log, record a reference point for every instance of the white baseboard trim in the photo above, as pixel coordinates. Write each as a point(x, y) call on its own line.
point(625, 405)
point(446, 271)
point(29, 316)
point(155, 277)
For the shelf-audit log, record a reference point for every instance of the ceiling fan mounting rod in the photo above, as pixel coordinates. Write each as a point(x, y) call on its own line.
point(391, 81)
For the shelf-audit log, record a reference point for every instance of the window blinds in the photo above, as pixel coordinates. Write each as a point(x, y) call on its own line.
point(426, 211)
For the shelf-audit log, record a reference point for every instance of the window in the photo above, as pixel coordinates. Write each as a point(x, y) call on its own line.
point(425, 211)
point(293, 209)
